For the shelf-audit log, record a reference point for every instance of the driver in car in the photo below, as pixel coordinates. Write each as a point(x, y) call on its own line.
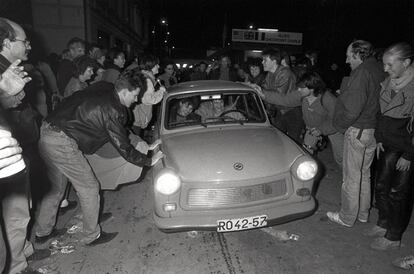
point(215, 108)
point(185, 111)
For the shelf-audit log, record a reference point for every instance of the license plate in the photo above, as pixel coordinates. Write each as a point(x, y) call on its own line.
point(241, 224)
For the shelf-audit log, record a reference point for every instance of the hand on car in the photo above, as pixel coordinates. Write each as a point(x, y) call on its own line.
point(14, 79)
point(155, 144)
point(143, 146)
point(158, 156)
point(257, 88)
point(162, 89)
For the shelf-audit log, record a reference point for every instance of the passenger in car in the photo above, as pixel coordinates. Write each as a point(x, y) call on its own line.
point(215, 108)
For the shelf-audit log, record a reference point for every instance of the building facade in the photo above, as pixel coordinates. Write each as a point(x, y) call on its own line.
point(109, 23)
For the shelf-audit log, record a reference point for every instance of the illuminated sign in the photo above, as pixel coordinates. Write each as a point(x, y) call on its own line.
point(269, 37)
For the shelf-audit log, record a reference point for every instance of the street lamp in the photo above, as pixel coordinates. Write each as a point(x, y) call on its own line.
point(251, 26)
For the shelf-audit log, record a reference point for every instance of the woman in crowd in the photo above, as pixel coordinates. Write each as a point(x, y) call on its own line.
point(149, 66)
point(285, 59)
point(84, 71)
point(168, 77)
point(256, 75)
point(114, 63)
point(395, 148)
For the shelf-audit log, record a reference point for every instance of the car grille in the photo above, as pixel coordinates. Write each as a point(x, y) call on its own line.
point(216, 197)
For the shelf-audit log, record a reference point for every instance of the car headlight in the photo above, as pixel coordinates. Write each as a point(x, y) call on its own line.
point(167, 182)
point(305, 168)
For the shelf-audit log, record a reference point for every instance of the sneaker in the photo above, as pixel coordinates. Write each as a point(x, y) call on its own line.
point(406, 263)
point(39, 254)
point(334, 217)
point(55, 233)
point(383, 244)
point(375, 231)
point(71, 205)
point(361, 220)
point(103, 238)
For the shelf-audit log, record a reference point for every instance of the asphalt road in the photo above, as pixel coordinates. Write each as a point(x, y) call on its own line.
point(320, 247)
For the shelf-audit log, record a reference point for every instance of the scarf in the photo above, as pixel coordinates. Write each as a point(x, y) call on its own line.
point(398, 83)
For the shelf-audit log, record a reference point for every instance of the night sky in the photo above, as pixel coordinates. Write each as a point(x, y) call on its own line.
point(327, 25)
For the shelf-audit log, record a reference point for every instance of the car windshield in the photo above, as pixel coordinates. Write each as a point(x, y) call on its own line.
point(213, 108)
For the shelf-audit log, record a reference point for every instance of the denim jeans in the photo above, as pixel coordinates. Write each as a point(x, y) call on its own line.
point(393, 194)
point(359, 151)
point(63, 157)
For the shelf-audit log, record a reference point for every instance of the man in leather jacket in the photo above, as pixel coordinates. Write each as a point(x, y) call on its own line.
point(80, 125)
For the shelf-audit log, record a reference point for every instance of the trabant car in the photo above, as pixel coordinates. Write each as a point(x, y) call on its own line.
point(226, 168)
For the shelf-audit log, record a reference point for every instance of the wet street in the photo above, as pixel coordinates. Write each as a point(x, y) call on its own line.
point(316, 245)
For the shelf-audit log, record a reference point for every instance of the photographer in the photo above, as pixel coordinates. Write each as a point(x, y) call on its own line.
point(318, 108)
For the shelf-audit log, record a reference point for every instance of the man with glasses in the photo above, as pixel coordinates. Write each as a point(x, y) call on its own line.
point(15, 195)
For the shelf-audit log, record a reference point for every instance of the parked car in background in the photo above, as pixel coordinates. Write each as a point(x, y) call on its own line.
point(226, 167)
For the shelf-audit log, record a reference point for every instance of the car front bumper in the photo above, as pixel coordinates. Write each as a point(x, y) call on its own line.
point(277, 215)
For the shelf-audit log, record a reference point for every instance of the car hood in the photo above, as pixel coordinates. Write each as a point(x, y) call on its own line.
point(214, 154)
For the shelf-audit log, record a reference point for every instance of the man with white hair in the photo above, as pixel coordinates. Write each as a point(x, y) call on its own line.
point(355, 116)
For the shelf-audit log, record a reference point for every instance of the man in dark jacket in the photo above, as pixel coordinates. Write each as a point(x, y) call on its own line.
point(355, 115)
point(80, 125)
point(281, 80)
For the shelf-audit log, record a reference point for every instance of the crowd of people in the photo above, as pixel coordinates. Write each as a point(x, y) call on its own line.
point(63, 116)
point(372, 115)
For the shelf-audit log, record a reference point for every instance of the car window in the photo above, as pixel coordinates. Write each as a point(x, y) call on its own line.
point(213, 108)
